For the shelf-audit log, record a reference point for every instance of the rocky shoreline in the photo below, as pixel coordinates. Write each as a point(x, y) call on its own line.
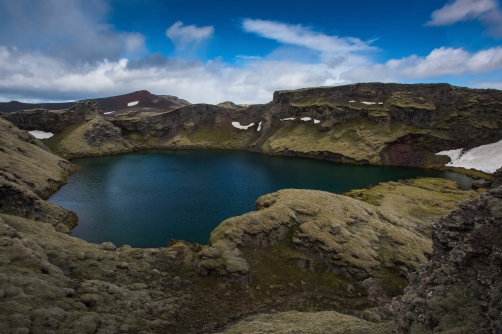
point(340, 258)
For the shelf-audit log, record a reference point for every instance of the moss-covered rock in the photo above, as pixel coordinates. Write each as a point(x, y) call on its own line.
point(356, 240)
point(460, 289)
point(308, 323)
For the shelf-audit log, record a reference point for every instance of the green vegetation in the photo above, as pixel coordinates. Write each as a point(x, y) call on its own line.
point(417, 201)
point(55, 141)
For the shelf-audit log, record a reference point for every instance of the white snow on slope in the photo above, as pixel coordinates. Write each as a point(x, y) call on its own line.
point(130, 104)
point(316, 121)
point(109, 112)
point(305, 119)
point(288, 119)
point(352, 101)
point(368, 103)
point(41, 134)
point(486, 158)
point(242, 127)
point(259, 127)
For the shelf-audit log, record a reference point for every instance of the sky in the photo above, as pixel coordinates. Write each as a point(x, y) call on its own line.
point(241, 51)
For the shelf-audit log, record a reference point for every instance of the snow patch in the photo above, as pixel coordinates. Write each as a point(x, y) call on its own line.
point(288, 119)
point(41, 134)
point(305, 119)
point(368, 103)
point(316, 121)
point(259, 127)
point(130, 104)
point(380, 102)
point(352, 101)
point(242, 127)
point(486, 158)
point(109, 112)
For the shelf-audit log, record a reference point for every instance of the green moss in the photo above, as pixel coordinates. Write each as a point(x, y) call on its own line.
point(393, 284)
point(207, 134)
point(301, 274)
point(410, 100)
point(417, 201)
point(54, 142)
point(138, 138)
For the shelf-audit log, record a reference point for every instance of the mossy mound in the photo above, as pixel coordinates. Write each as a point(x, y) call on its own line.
point(417, 201)
point(356, 240)
point(93, 138)
point(308, 323)
point(27, 162)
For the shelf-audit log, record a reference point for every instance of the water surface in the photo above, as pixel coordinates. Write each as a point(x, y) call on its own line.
point(144, 199)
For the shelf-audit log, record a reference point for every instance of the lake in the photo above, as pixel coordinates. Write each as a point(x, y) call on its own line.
point(146, 198)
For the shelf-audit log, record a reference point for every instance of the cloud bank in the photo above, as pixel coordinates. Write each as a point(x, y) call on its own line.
point(73, 30)
point(78, 56)
point(440, 62)
point(486, 11)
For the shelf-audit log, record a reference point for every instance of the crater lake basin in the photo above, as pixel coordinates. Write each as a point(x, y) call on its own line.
point(146, 198)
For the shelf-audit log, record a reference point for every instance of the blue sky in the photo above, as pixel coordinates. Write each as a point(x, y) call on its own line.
point(212, 51)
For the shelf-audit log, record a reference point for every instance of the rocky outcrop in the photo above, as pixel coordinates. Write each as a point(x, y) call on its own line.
point(354, 239)
point(374, 123)
point(95, 137)
point(230, 105)
point(29, 174)
point(371, 123)
point(19, 201)
point(308, 323)
point(101, 131)
point(27, 162)
point(53, 282)
point(460, 288)
point(55, 121)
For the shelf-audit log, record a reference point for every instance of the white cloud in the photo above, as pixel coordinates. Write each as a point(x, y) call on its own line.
point(491, 84)
point(302, 36)
point(486, 11)
point(182, 36)
point(73, 30)
point(32, 75)
point(28, 76)
point(440, 62)
point(460, 10)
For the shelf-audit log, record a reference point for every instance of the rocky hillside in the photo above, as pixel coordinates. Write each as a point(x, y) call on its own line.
point(140, 100)
point(373, 123)
point(300, 251)
point(302, 255)
point(460, 288)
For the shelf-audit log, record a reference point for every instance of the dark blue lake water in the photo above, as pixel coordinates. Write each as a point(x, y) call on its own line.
point(146, 198)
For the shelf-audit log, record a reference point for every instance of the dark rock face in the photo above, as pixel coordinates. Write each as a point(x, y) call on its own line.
point(19, 201)
point(102, 131)
point(467, 117)
point(461, 286)
point(419, 120)
point(370, 123)
point(54, 121)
